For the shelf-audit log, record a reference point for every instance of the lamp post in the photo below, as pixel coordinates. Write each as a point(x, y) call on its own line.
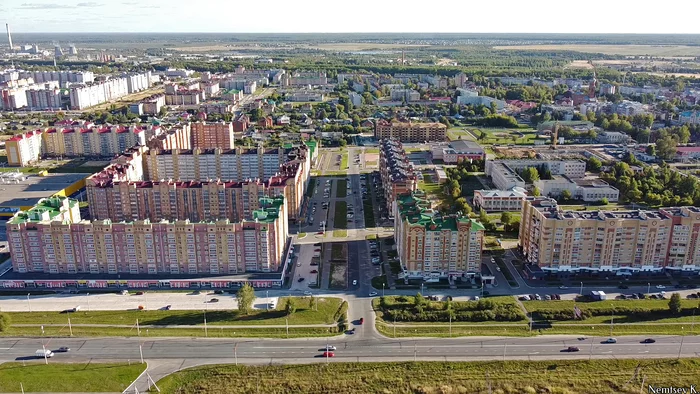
point(87, 298)
point(648, 288)
point(29, 304)
point(382, 289)
point(580, 292)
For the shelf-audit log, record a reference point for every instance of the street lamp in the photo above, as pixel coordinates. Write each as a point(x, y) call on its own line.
point(581, 291)
point(29, 304)
point(648, 288)
point(87, 297)
point(382, 289)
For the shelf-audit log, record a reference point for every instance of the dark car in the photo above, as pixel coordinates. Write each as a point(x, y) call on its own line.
point(300, 280)
point(362, 320)
point(214, 300)
point(139, 293)
point(63, 349)
point(572, 349)
point(218, 292)
point(649, 340)
point(623, 287)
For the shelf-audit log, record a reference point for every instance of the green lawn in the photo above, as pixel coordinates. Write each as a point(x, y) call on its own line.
point(340, 233)
point(340, 217)
point(562, 377)
point(368, 208)
point(304, 315)
point(212, 331)
point(344, 161)
point(341, 188)
point(371, 150)
point(505, 136)
point(57, 377)
point(488, 311)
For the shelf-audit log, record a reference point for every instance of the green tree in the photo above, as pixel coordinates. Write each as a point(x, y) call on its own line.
point(666, 147)
point(566, 195)
point(604, 201)
point(530, 175)
point(256, 114)
point(593, 164)
point(674, 304)
point(651, 150)
point(291, 307)
point(506, 218)
point(536, 192)
point(246, 297)
point(4, 322)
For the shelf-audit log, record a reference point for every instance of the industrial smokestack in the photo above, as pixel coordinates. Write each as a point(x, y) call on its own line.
point(9, 36)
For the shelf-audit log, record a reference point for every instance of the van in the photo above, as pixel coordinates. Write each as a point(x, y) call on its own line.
point(43, 353)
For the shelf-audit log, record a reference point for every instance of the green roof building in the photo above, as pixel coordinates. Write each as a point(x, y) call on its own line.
point(434, 246)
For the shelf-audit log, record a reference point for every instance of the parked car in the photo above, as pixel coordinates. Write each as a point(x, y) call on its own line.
point(660, 287)
point(372, 294)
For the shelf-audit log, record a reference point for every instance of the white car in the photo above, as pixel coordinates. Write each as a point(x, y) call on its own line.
point(372, 294)
point(307, 293)
point(330, 348)
point(660, 286)
point(354, 282)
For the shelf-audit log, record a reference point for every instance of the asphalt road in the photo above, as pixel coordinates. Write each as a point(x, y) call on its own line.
point(349, 348)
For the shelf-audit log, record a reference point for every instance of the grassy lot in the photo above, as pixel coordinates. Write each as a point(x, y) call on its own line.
point(368, 207)
point(505, 136)
point(563, 377)
point(442, 330)
point(304, 315)
point(344, 161)
point(301, 235)
point(337, 251)
point(212, 331)
point(372, 151)
point(340, 233)
point(341, 188)
point(340, 218)
point(456, 133)
point(64, 377)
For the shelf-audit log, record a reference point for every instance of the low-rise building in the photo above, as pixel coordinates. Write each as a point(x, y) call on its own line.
point(499, 200)
point(613, 137)
point(432, 246)
point(504, 173)
point(456, 151)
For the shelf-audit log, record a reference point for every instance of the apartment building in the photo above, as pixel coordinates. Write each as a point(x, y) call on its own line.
point(51, 238)
point(88, 93)
point(432, 246)
point(44, 99)
point(212, 135)
point(304, 78)
point(623, 242)
point(237, 165)
point(396, 172)
point(13, 98)
point(176, 137)
point(90, 140)
point(410, 132)
point(406, 95)
point(499, 200)
point(23, 149)
point(114, 196)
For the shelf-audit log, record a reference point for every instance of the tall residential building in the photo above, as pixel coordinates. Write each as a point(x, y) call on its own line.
point(609, 241)
point(88, 140)
point(177, 137)
point(89, 93)
point(23, 149)
point(51, 238)
point(212, 135)
point(236, 165)
point(396, 172)
point(435, 246)
point(410, 132)
point(112, 196)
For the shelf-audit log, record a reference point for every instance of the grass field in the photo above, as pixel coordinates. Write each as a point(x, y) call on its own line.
point(562, 377)
point(324, 315)
point(344, 161)
point(340, 217)
point(337, 251)
point(457, 133)
point(341, 188)
point(63, 377)
point(505, 136)
point(627, 50)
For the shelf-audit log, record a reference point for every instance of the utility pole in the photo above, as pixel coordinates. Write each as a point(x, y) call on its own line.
point(138, 329)
point(612, 322)
point(505, 348)
point(286, 324)
point(450, 324)
point(206, 334)
point(43, 346)
point(29, 304)
point(70, 328)
point(235, 353)
point(680, 348)
point(415, 351)
point(141, 352)
point(87, 297)
point(581, 291)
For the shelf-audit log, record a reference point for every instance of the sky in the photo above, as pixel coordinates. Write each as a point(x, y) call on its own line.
point(361, 16)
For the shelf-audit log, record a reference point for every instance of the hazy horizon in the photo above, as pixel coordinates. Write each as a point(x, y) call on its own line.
point(363, 16)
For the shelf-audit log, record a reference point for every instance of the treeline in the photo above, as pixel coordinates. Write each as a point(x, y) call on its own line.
point(418, 309)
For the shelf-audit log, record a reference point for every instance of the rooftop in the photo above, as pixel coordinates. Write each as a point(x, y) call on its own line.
point(414, 208)
point(28, 192)
point(46, 209)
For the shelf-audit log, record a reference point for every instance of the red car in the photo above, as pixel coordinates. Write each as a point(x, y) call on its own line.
point(328, 354)
point(362, 320)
